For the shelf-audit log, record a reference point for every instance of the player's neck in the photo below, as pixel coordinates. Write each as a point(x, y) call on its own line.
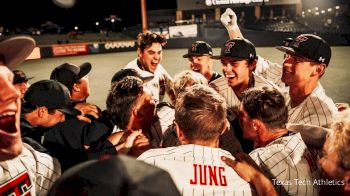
point(212, 143)
point(271, 136)
point(298, 93)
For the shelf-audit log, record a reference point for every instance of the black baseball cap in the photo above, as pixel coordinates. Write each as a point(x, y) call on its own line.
point(199, 48)
point(309, 46)
point(16, 49)
point(115, 175)
point(49, 93)
point(68, 74)
point(287, 41)
point(20, 76)
point(129, 72)
point(237, 48)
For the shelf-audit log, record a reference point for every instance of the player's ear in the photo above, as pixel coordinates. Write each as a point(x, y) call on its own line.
point(42, 111)
point(252, 65)
point(76, 87)
point(346, 180)
point(180, 134)
point(256, 124)
point(320, 69)
point(139, 52)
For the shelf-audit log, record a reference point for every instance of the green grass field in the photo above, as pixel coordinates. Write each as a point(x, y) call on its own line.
point(335, 81)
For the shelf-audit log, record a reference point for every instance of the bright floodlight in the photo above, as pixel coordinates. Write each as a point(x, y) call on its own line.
point(322, 11)
point(76, 28)
point(316, 8)
point(329, 9)
point(97, 23)
point(317, 13)
point(337, 7)
point(309, 10)
point(113, 20)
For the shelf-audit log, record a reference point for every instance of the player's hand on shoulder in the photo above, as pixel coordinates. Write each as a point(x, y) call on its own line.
point(87, 109)
point(245, 166)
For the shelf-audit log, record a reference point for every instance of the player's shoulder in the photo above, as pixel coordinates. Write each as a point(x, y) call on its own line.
point(155, 153)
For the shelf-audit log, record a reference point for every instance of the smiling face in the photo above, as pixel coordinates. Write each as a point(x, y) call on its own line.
point(236, 72)
point(201, 64)
point(297, 70)
point(150, 57)
point(10, 107)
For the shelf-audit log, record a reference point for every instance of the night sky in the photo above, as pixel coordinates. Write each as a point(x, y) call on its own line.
point(85, 12)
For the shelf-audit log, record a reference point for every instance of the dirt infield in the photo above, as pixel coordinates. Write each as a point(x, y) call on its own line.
point(336, 81)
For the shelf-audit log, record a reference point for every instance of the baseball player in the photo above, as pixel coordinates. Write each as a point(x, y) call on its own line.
point(149, 56)
point(23, 171)
point(200, 118)
point(306, 60)
point(199, 60)
point(280, 153)
point(20, 81)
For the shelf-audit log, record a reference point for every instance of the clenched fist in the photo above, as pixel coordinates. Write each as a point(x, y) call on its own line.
point(229, 19)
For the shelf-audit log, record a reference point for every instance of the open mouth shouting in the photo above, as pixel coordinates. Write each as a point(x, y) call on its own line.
point(8, 122)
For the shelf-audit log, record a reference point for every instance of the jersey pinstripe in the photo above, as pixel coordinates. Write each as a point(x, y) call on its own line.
point(198, 170)
point(160, 84)
point(291, 165)
point(31, 173)
point(317, 109)
point(166, 116)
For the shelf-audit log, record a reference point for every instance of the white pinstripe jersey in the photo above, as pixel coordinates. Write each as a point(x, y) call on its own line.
point(266, 73)
point(166, 116)
point(31, 173)
point(317, 109)
point(160, 84)
point(198, 170)
point(291, 165)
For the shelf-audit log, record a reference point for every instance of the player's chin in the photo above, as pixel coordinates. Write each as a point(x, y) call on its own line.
point(11, 152)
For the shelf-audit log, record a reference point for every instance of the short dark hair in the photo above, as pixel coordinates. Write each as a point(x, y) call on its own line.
point(266, 104)
point(200, 113)
point(122, 98)
point(145, 40)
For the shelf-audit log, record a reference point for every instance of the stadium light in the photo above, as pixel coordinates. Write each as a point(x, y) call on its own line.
point(97, 23)
point(76, 28)
point(322, 11)
point(329, 9)
point(317, 13)
point(309, 10)
point(337, 7)
point(316, 8)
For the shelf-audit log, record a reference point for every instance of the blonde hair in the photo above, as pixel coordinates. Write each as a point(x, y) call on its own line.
point(340, 138)
point(187, 78)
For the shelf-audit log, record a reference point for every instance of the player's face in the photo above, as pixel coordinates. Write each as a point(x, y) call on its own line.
point(22, 87)
point(51, 119)
point(236, 72)
point(297, 70)
point(330, 162)
point(10, 107)
point(150, 57)
point(201, 64)
point(84, 88)
point(146, 107)
point(246, 124)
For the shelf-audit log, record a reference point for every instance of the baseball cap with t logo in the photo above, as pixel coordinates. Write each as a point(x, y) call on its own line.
point(309, 46)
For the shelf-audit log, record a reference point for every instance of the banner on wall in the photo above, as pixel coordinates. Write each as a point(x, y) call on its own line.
point(70, 49)
point(183, 31)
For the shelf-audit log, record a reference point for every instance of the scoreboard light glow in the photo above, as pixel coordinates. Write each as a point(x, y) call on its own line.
point(223, 2)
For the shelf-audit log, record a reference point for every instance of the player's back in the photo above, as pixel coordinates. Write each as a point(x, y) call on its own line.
point(198, 170)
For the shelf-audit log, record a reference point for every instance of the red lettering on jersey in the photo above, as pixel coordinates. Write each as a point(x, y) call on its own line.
point(194, 180)
point(222, 176)
point(203, 174)
point(212, 175)
point(215, 174)
point(18, 186)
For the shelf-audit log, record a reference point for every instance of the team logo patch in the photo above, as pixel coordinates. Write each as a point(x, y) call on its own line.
point(194, 46)
point(19, 185)
point(299, 40)
point(228, 46)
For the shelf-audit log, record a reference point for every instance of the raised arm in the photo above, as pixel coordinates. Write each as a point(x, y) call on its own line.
point(229, 20)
